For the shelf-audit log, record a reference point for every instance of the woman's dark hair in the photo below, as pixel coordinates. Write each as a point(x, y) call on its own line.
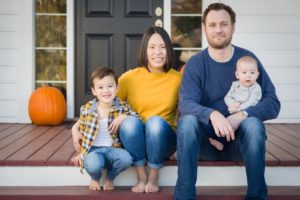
point(101, 72)
point(142, 53)
point(219, 6)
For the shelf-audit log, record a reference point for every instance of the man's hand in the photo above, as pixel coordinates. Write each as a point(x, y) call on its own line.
point(221, 126)
point(115, 125)
point(236, 119)
point(76, 136)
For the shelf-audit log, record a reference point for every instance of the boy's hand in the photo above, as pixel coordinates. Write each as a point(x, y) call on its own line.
point(77, 160)
point(76, 136)
point(115, 125)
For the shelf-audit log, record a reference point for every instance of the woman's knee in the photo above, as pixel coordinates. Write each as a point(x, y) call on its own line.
point(155, 126)
point(131, 127)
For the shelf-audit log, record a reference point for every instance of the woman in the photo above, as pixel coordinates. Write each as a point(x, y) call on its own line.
point(152, 91)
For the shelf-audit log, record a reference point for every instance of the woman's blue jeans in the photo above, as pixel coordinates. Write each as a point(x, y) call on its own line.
point(192, 144)
point(153, 140)
point(115, 160)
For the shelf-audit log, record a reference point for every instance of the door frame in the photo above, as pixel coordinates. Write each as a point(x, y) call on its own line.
point(71, 50)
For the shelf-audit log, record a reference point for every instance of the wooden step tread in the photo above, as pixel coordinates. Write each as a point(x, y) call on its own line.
point(31, 145)
point(124, 193)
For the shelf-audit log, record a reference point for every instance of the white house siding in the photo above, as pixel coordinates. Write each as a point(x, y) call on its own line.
point(271, 29)
point(16, 60)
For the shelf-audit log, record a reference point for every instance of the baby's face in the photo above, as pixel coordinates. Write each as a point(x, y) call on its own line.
point(247, 73)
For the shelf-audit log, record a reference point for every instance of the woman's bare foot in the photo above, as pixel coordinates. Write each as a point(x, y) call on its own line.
point(218, 145)
point(108, 184)
point(95, 185)
point(142, 180)
point(152, 184)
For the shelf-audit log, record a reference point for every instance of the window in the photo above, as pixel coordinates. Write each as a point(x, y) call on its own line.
point(186, 30)
point(50, 44)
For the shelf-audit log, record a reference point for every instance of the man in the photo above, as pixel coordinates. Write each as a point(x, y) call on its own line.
point(204, 115)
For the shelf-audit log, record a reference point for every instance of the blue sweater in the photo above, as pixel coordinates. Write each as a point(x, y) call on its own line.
point(205, 83)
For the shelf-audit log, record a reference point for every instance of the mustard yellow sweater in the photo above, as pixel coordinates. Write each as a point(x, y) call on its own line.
point(151, 94)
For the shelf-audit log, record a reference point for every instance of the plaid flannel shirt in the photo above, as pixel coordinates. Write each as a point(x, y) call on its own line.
point(89, 123)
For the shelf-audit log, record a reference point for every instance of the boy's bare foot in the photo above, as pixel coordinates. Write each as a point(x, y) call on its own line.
point(95, 185)
point(142, 180)
point(152, 184)
point(108, 184)
point(218, 145)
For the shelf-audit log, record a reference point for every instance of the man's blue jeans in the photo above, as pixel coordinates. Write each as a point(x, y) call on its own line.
point(192, 144)
point(153, 140)
point(115, 160)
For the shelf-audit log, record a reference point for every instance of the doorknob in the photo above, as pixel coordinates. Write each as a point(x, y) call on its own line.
point(158, 11)
point(158, 22)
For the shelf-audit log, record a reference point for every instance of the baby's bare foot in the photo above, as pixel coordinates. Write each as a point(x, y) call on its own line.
point(218, 145)
point(95, 185)
point(108, 184)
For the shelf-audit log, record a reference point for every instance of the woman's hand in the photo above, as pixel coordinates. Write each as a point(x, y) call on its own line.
point(76, 136)
point(116, 123)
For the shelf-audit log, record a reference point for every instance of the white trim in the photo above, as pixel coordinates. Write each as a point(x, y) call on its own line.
point(167, 16)
point(70, 59)
point(25, 57)
point(207, 176)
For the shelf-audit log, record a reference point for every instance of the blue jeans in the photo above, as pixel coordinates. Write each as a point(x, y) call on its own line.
point(192, 144)
point(115, 160)
point(153, 140)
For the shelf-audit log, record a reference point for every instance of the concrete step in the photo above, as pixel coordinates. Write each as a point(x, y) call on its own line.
point(124, 193)
point(207, 176)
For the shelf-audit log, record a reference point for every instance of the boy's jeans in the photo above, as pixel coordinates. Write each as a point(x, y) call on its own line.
point(153, 140)
point(115, 160)
point(192, 142)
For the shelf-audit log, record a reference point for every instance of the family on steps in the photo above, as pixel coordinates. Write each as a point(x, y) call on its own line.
point(214, 111)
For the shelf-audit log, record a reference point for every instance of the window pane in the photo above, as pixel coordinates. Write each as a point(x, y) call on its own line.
point(186, 6)
point(50, 6)
point(51, 65)
point(50, 31)
point(186, 31)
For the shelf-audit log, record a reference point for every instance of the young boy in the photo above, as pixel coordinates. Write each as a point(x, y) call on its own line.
point(244, 92)
point(99, 122)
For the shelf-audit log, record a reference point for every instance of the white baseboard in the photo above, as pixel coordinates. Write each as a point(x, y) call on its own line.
point(207, 176)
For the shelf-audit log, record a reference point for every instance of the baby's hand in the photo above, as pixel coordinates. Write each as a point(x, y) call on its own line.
point(234, 107)
point(77, 160)
point(114, 126)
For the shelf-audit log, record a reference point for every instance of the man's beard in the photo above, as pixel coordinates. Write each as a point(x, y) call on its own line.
point(221, 45)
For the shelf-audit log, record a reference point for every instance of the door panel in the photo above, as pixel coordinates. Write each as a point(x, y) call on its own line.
point(108, 33)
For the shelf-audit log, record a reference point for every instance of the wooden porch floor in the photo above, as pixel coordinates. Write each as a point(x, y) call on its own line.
point(31, 145)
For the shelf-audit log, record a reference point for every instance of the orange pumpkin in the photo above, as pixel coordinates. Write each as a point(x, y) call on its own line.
point(47, 106)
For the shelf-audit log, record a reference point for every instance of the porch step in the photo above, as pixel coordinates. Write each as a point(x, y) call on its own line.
point(124, 193)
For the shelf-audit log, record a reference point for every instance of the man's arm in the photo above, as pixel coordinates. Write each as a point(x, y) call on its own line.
point(190, 94)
